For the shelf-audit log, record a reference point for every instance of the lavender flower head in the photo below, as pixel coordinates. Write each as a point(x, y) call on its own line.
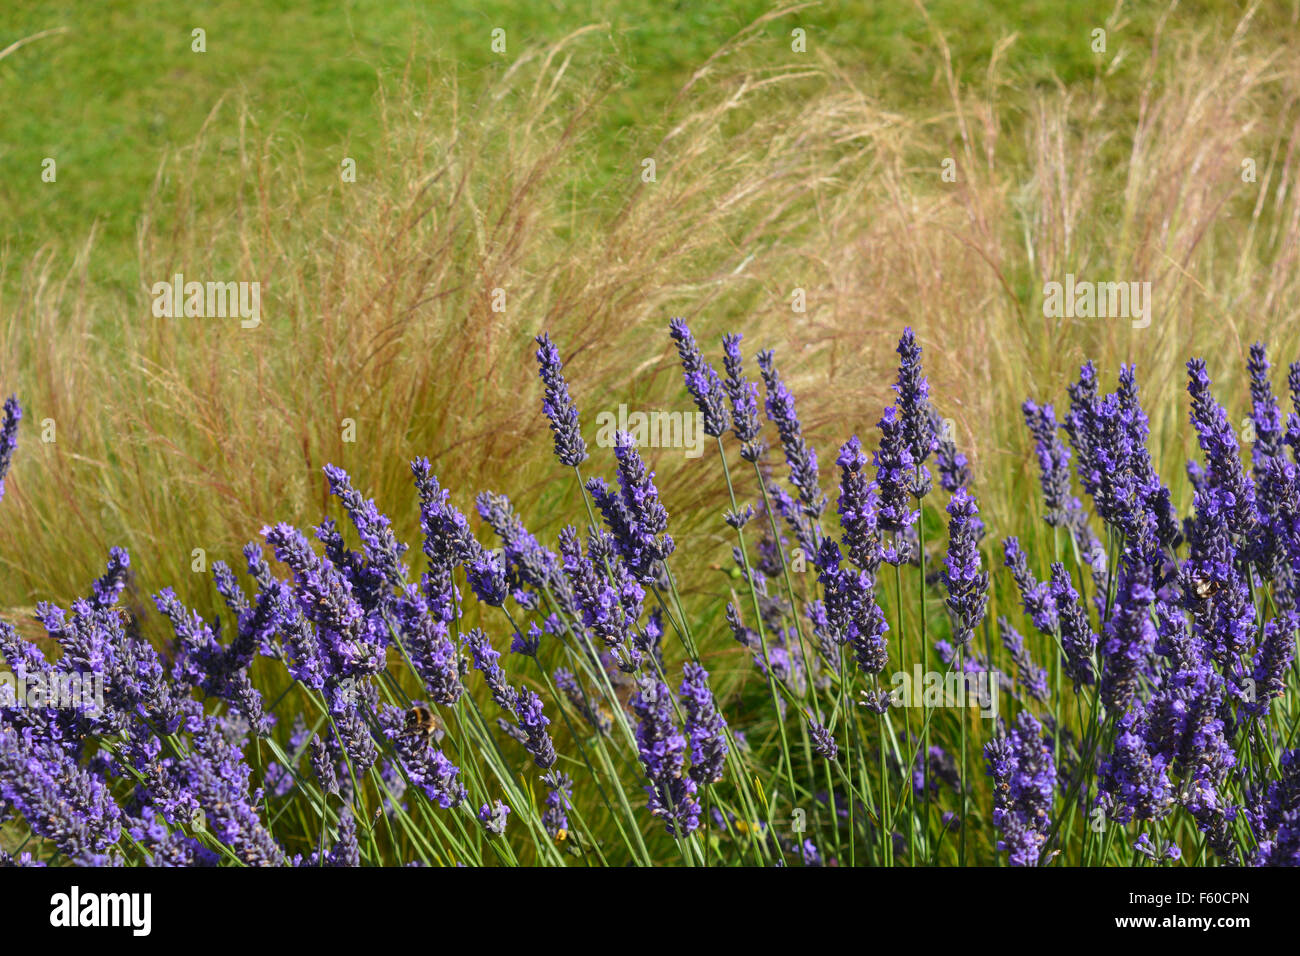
point(1219, 446)
point(894, 466)
point(9, 437)
point(1024, 777)
point(493, 817)
point(570, 449)
point(857, 506)
point(801, 458)
point(663, 756)
point(914, 411)
point(702, 380)
point(1053, 460)
point(744, 401)
point(967, 585)
point(705, 726)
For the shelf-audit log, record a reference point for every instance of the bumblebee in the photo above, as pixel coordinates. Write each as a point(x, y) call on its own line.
point(422, 722)
point(1205, 588)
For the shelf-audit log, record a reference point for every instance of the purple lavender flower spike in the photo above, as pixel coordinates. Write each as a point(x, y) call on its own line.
point(801, 458)
point(1265, 414)
point(858, 506)
point(823, 741)
point(527, 562)
point(953, 466)
point(1222, 456)
point(9, 437)
point(382, 550)
point(108, 587)
point(705, 726)
point(1272, 662)
point(570, 449)
point(636, 517)
point(1128, 637)
point(914, 411)
point(1024, 777)
point(663, 756)
point(346, 851)
point(744, 401)
point(1035, 597)
point(702, 380)
point(61, 801)
point(1053, 460)
point(533, 722)
point(1028, 674)
point(894, 467)
point(493, 817)
point(967, 585)
point(486, 574)
point(1078, 640)
point(559, 798)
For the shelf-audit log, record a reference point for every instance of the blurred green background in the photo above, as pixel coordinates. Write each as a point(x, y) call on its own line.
point(111, 96)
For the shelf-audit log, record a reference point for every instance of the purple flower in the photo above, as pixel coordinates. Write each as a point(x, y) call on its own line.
point(967, 585)
point(108, 587)
point(533, 722)
point(61, 801)
point(326, 598)
point(705, 726)
point(1273, 662)
point(9, 437)
point(1053, 460)
point(663, 755)
point(486, 574)
point(493, 817)
point(702, 380)
point(1265, 414)
point(823, 741)
point(1128, 637)
point(1222, 456)
point(1078, 640)
point(485, 658)
point(1024, 777)
point(801, 458)
point(216, 777)
point(857, 508)
point(559, 798)
point(851, 614)
point(954, 469)
point(570, 449)
point(431, 649)
point(424, 764)
point(1028, 674)
point(527, 562)
point(635, 516)
point(610, 604)
point(744, 401)
point(894, 467)
point(1035, 597)
point(346, 851)
point(324, 766)
point(381, 549)
point(914, 412)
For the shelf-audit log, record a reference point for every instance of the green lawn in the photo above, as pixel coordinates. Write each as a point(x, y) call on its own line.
point(121, 88)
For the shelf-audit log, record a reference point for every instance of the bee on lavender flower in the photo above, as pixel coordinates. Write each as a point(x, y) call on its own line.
point(1205, 588)
point(421, 721)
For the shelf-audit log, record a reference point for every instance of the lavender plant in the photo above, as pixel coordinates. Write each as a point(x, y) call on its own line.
point(514, 704)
